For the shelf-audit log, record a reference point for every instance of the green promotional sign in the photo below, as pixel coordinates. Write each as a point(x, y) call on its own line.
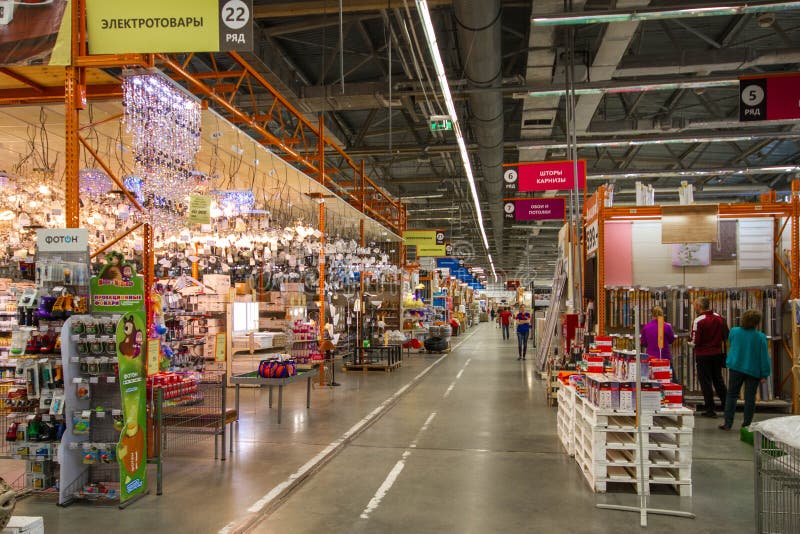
point(156, 26)
point(199, 209)
point(131, 449)
point(117, 288)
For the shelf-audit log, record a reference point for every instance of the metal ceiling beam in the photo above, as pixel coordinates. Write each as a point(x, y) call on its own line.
point(589, 142)
point(663, 13)
point(693, 173)
point(736, 60)
point(319, 7)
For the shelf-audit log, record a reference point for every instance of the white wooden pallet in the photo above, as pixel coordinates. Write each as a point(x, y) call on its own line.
point(605, 444)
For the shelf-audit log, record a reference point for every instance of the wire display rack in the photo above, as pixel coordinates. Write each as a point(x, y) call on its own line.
point(197, 416)
point(777, 486)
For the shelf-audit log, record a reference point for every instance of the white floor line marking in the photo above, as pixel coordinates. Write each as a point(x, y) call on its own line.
point(453, 384)
point(391, 478)
point(280, 488)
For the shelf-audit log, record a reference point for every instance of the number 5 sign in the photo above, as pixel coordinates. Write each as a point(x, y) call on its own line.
point(235, 25)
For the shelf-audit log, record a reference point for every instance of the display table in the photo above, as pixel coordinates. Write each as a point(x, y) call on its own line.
point(386, 358)
point(604, 443)
point(253, 379)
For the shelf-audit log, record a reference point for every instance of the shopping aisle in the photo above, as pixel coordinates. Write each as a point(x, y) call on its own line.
point(473, 448)
point(486, 459)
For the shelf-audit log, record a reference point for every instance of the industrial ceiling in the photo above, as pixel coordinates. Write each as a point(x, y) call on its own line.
point(657, 101)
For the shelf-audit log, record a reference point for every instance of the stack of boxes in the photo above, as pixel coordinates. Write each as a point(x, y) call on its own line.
point(616, 389)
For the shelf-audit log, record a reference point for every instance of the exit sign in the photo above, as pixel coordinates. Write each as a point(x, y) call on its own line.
point(440, 123)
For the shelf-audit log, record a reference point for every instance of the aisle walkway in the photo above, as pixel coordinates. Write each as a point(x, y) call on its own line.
point(473, 449)
point(456, 443)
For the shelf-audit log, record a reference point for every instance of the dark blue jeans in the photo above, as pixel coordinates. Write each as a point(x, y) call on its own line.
point(735, 381)
point(505, 331)
point(522, 342)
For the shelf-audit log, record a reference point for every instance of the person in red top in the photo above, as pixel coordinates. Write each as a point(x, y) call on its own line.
point(709, 333)
point(505, 322)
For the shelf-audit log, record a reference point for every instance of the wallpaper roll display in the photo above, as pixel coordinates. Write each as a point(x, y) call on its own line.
point(691, 255)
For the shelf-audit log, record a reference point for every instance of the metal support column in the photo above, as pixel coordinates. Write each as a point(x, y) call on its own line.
point(601, 261)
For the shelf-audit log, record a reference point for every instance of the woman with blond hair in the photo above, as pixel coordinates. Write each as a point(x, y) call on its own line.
point(650, 336)
point(748, 364)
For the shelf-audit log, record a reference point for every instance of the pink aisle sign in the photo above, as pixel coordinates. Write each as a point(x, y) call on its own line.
point(537, 209)
point(550, 176)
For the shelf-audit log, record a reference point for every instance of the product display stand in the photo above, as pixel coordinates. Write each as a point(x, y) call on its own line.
point(642, 509)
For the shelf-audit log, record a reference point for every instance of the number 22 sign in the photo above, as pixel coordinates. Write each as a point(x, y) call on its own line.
point(235, 25)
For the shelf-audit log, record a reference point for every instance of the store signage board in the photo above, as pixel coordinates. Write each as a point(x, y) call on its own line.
point(117, 288)
point(447, 263)
point(591, 208)
point(592, 237)
point(199, 209)
point(131, 453)
point(35, 32)
point(544, 176)
point(220, 348)
point(62, 240)
point(156, 26)
point(428, 242)
point(433, 251)
point(769, 98)
point(534, 209)
point(153, 353)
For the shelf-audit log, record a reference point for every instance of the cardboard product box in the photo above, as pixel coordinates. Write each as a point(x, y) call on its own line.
point(660, 370)
point(615, 395)
point(218, 283)
point(627, 396)
point(651, 397)
point(604, 395)
point(211, 307)
point(594, 364)
point(604, 343)
point(21, 524)
point(671, 395)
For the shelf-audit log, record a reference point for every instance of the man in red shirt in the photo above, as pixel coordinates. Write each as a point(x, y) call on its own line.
point(709, 333)
point(505, 322)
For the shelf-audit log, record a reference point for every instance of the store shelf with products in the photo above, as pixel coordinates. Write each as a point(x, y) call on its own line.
point(677, 303)
point(751, 267)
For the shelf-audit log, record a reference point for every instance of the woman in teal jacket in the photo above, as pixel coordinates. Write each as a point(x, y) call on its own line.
point(748, 363)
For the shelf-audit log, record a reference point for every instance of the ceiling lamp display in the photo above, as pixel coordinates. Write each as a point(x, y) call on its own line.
point(164, 122)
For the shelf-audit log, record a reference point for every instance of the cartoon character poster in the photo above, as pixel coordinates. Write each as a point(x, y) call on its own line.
point(132, 379)
point(117, 288)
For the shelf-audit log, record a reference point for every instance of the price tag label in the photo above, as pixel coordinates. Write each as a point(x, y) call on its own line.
point(111, 379)
point(77, 380)
point(94, 380)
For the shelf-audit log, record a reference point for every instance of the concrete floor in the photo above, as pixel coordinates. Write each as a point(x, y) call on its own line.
point(470, 448)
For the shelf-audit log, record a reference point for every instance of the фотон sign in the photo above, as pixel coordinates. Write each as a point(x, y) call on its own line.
point(544, 176)
point(153, 26)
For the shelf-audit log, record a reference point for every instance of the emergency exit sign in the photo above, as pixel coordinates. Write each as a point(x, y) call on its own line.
point(441, 123)
point(769, 98)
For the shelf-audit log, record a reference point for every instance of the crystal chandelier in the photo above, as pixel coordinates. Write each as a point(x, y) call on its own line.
point(165, 124)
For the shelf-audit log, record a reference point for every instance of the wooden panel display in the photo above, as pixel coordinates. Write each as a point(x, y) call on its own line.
point(689, 224)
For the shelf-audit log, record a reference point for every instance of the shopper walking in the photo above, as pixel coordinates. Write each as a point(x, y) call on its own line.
point(657, 337)
point(523, 320)
point(709, 333)
point(748, 365)
point(505, 322)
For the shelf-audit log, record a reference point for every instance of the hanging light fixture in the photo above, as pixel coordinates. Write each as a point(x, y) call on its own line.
point(94, 182)
point(164, 122)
